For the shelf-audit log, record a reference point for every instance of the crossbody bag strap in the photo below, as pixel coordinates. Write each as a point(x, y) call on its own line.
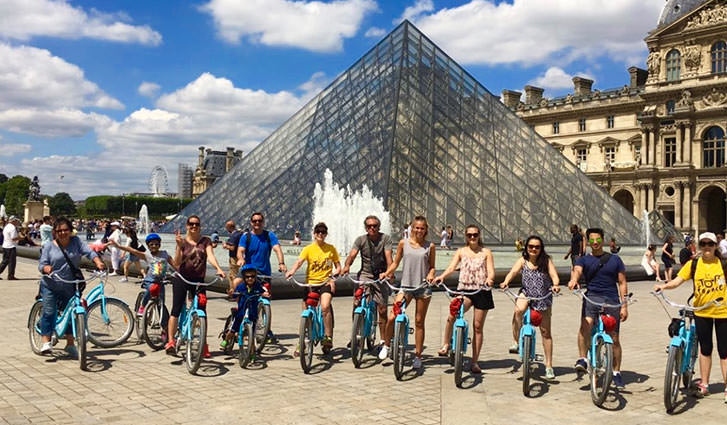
point(601, 262)
point(76, 271)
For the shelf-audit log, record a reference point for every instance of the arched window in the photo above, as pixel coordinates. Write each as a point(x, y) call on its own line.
point(713, 147)
point(673, 65)
point(719, 57)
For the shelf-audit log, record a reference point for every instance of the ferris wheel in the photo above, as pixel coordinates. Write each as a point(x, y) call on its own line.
point(158, 181)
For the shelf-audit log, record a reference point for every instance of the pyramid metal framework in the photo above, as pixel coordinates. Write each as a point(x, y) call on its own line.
point(426, 137)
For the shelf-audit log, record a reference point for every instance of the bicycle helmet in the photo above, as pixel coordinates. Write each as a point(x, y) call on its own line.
point(151, 237)
point(247, 267)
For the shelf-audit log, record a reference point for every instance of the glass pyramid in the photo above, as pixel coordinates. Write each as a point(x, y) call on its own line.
point(427, 138)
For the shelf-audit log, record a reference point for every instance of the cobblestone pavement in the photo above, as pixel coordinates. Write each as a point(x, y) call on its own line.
point(132, 384)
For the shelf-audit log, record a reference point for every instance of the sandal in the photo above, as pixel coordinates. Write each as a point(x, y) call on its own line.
point(444, 351)
point(475, 368)
point(701, 390)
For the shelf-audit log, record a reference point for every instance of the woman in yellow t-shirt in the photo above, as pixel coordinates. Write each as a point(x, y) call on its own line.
point(323, 262)
point(709, 285)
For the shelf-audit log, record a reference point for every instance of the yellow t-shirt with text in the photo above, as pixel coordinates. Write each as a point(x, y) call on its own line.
point(709, 284)
point(320, 261)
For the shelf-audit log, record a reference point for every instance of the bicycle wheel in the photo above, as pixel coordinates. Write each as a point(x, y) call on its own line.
point(458, 356)
point(111, 327)
point(371, 339)
point(262, 327)
point(305, 343)
point(689, 373)
point(672, 377)
point(139, 318)
point(357, 339)
point(36, 340)
point(228, 324)
point(247, 346)
point(153, 331)
point(527, 362)
point(602, 373)
point(399, 349)
point(195, 345)
point(81, 339)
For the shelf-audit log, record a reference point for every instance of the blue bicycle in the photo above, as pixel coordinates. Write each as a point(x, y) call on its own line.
point(311, 330)
point(600, 353)
point(192, 330)
point(246, 336)
point(264, 317)
point(365, 321)
point(153, 322)
point(401, 330)
point(460, 333)
point(110, 321)
point(73, 316)
point(682, 348)
point(526, 340)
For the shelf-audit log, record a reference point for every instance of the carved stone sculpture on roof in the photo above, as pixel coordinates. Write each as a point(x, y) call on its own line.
point(654, 64)
point(715, 15)
point(714, 98)
point(543, 102)
point(692, 58)
point(686, 99)
point(569, 98)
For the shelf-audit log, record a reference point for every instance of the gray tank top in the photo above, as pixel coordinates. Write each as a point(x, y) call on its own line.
point(416, 265)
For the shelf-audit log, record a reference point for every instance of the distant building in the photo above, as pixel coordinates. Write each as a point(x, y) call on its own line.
point(186, 175)
point(212, 165)
point(657, 143)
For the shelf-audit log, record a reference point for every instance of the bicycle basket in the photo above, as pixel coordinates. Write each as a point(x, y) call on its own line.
point(312, 299)
point(202, 300)
point(609, 322)
point(358, 294)
point(674, 326)
point(454, 306)
point(154, 289)
point(397, 308)
point(535, 317)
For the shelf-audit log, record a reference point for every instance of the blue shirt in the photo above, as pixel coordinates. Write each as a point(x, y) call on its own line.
point(605, 280)
point(246, 291)
point(53, 256)
point(257, 252)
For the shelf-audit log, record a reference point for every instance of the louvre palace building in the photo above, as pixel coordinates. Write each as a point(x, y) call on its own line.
point(658, 142)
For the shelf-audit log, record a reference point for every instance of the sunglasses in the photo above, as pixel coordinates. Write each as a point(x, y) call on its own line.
point(256, 221)
point(472, 235)
point(533, 246)
point(249, 276)
point(597, 240)
point(193, 223)
point(709, 244)
point(154, 244)
point(321, 232)
point(63, 230)
point(372, 226)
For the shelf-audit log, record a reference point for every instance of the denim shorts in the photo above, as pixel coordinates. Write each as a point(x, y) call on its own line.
point(425, 292)
point(592, 311)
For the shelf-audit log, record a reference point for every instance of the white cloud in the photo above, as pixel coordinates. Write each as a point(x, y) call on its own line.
point(534, 31)
point(556, 78)
point(24, 19)
point(317, 82)
point(415, 11)
point(148, 89)
point(375, 32)
point(12, 149)
point(310, 25)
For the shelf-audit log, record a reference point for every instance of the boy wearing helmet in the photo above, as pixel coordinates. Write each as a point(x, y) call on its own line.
point(158, 261)
point(246, 287)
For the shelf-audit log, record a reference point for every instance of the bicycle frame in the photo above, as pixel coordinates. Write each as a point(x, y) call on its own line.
point(597, 330)
point(368, 306)
point(316, 315)
point(185, 317)
point(252, 298)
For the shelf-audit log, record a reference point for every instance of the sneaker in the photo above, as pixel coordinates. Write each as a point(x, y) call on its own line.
point(581, 366)
point(701, 390)
point(170, 348)
point(327, 344)
point(384, 352)
point(164, 336)
point(71, 350)
point(141, 310)
point(514, 349)
point(206, 351)
point(296, 353)
point(223, 344)
point(123, 279)
point(113, 273)
point(417, 364)
point(618, 381)
point(47, 348)
point(549, 373)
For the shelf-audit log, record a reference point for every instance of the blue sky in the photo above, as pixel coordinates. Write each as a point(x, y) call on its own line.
point(100, 92)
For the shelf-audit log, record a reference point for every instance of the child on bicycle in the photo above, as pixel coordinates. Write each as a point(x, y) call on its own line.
point(247, 287)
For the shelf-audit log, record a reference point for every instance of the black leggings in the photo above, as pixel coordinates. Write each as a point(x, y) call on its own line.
point(704, 335)
point(179, 291)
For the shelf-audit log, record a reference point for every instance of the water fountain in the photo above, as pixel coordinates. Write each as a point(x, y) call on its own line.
point(3, 214)
point(646, 228)
point(143, 225)
point(344, 211)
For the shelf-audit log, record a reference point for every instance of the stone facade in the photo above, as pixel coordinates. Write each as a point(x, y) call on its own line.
point(211, 165)
point(658, 142)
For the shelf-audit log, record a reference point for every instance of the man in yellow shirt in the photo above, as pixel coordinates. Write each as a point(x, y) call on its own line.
point(709, 285)
point(323, 262)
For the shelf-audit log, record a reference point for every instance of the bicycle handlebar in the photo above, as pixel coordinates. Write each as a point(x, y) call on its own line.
point(292, 279)
point(627, 300)
point(663, 298)
point(513, 296)
point(212, 282)
point(456, 293)
point(366, 282)
point(422, 285)
point(94, 275)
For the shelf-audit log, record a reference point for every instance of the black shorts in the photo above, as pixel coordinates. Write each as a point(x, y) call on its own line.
point(322, 289)
point(668, 262)
point(482, 300)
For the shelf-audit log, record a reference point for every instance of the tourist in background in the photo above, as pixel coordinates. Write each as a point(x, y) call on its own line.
point(231, 244)
point(613, 247)
point(687, 253)
point(418, 256)
point(722, 244)
point(11, 236)
point(132, 242)
point(450, 236)
point(577, 245)
point(444, 236)
point(648, 262)
point(296, 238)
point(476, 271)
point(539, 279)
point(667, 257)
point(114, 234)
point(46, 231)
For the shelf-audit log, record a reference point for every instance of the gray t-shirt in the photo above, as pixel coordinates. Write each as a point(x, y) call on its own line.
point(373, 260)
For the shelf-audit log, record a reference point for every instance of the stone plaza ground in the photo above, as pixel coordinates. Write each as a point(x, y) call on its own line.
point(132, 384)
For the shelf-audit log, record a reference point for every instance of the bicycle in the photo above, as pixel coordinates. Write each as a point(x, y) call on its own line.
point(460, 333)
point(401, 330)
point(600, 353)
point(365, 321)
point(73, 315)
point(527, 338)
point(153, 322)
point(311, 330)
point(110, 320)
point(192, 328)
point(264, 317)
point(247, 336)
point(682, 348)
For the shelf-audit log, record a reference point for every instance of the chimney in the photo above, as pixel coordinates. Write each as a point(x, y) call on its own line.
point(533, 95)
point(582, 86)
point(638, 76)
point(511, 98)
point(200, 158)
point(229, 158)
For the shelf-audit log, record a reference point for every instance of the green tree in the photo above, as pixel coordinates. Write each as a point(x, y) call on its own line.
point(16, 193)
point(3, 178)
point(61, 204)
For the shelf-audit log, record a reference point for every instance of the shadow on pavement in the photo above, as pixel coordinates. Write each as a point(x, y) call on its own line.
point(210, 369)
point(95, 364)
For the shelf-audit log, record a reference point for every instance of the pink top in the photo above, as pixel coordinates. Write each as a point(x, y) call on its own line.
point(472, 273)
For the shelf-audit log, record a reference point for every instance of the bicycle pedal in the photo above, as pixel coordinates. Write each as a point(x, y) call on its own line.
point(539, 357)
point(469, 340)
point(411, 331)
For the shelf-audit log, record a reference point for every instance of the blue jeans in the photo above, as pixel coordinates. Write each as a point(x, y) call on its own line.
point(250, 305)
point(55, 297)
